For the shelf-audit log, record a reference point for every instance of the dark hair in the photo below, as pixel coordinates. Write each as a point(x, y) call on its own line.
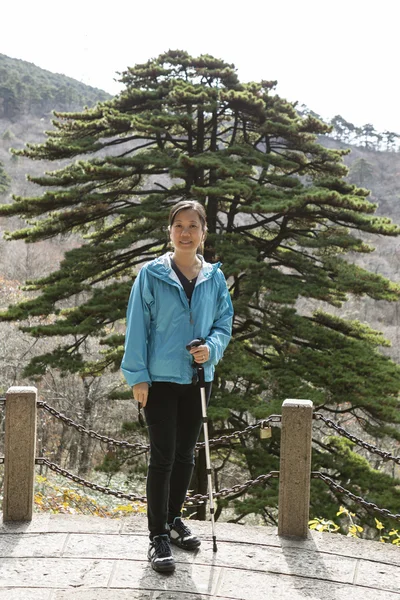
point(190, 205)
point(187, 205)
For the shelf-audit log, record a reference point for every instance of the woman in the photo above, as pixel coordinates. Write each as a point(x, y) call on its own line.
point(175, 298)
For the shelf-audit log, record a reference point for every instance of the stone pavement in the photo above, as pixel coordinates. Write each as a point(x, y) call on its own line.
point(63, 557)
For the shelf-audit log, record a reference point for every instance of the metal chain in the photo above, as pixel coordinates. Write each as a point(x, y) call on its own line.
point(236, 489)
point(224, 493)
point(272, 419)
point(356, 440)
point(93, 434)
point(358, 499)
point(198, 498)
point(93, 486)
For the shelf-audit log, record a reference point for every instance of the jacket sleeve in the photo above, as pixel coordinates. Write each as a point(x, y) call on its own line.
point(221, 330)
point(134, 362)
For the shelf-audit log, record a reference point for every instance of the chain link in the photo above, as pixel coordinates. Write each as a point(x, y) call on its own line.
point(358, 499)
point(356, 440)
point(2, 401)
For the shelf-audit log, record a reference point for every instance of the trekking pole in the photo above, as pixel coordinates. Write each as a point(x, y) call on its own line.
point(200, 373)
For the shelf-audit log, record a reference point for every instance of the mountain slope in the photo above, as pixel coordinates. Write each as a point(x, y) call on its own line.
point(28, 89)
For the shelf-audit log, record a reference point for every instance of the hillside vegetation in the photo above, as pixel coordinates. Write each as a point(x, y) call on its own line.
point(28, 89)
point(28, 97)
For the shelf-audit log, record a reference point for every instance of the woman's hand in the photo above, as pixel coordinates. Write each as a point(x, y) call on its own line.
point(201, 354)
point(141, 392)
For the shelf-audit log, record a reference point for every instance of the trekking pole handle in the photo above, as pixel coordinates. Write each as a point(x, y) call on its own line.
point(200, 368)
point(195, 343)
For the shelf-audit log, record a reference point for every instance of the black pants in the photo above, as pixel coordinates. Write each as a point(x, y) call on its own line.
point(174, 420)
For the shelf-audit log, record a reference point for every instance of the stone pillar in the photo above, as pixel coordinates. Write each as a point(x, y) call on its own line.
point(295, 468)
point(19, 453)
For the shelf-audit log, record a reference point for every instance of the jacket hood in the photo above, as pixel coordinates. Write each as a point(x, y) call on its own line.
point(161, 267)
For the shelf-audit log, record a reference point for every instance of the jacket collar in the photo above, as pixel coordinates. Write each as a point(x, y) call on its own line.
point(161, 267)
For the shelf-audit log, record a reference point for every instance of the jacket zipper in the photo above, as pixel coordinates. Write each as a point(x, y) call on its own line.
point(183, 295)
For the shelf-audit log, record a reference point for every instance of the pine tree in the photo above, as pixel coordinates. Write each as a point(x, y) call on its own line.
point(281, 218)
point(361, 172)
point(343, 129)
point(391, 139)
point(369, 134)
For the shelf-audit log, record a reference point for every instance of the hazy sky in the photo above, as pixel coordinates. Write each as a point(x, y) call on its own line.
point(337, 57)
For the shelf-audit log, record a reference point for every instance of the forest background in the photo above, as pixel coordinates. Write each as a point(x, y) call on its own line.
point(270, 368)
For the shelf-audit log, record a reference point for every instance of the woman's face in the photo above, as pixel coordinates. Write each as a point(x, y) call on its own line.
point(186, 231)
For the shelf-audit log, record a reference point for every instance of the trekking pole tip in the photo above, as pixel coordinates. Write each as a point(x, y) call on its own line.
point(214, 544)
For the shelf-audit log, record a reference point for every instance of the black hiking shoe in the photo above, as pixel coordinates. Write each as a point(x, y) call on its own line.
point(160, 554)
point(181, 535)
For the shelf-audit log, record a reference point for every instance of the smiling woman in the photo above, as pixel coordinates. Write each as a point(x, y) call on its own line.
point(175, 299)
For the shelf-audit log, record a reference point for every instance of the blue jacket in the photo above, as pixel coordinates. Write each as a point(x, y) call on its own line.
point(160, 323)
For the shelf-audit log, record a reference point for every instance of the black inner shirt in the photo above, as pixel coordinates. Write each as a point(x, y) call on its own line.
point(187, 284)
